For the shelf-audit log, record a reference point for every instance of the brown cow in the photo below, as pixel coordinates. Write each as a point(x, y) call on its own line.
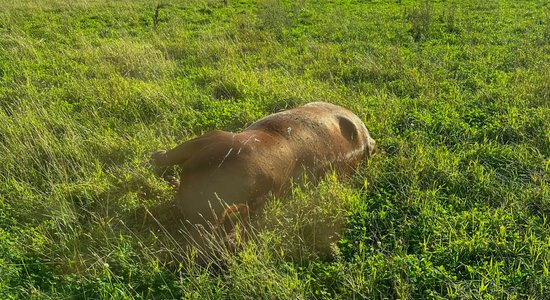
point(240, 169)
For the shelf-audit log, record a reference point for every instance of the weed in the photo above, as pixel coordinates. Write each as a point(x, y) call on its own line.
point(273, 16)
point(454, 205)
point(420, 19)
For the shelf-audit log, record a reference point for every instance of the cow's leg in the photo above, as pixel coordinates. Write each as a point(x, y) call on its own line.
point(233, 225)
point(173, 182)
point(186, 150)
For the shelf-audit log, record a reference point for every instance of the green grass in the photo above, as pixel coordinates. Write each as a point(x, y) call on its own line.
point(456, 93)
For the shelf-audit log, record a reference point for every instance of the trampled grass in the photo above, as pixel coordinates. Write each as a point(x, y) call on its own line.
point(456, 93)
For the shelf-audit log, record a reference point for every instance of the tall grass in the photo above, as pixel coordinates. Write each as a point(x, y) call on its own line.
point(454, 205)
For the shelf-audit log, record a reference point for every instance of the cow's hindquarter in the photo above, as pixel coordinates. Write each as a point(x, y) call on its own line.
point(241, 172)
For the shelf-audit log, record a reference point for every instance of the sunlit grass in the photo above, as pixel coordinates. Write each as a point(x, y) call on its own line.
point(454, 205)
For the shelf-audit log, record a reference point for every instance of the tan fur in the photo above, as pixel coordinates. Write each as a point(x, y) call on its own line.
point(242, 168)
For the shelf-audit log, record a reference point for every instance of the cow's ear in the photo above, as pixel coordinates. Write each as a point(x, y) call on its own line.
point(347, 129)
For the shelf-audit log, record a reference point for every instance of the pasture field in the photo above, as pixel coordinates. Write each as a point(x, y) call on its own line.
point(455, 205)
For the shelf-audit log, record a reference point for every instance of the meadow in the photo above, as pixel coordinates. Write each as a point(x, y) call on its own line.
point(455, 204)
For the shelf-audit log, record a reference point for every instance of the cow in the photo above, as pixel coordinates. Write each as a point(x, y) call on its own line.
point(224, 172)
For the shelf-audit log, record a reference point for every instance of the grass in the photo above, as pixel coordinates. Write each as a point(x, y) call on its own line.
point(456, 93)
